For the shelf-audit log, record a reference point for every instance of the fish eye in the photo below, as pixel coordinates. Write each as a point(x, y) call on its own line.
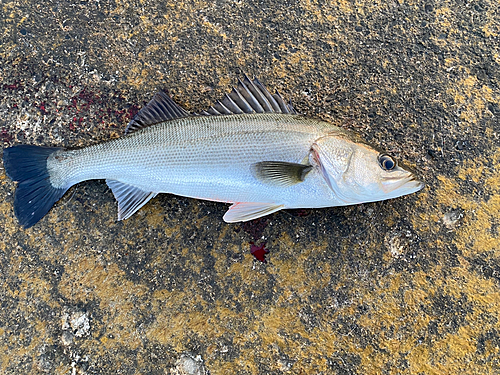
point(386, 162)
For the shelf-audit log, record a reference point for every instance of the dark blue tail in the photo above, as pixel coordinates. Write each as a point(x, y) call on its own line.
point(34, 195)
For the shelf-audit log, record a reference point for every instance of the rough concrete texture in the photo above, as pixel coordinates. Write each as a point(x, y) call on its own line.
point(408, 286)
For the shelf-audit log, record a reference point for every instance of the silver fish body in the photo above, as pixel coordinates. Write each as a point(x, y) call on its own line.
point(260, 162)
point(206, 158)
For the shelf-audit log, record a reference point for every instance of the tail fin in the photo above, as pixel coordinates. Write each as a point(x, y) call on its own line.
point(35, 194)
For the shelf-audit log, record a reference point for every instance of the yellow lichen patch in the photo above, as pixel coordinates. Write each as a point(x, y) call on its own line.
point(9, 227)
point(448, 194)
point(475, 235)
point(242, 271)
point(449, 351)
point(471, 97)
point(479, 214)
point(12, 354)
point(86, 280)
point(426, 219)
point(194, 261)
point(478, 230)
point(291, 274)
point(473, 169)
point(388, 316)
point(496, 57)
point(483, 293)
point(457, 352)
point(444, 17)
point(278, 328)
point(214, 29)
point(490, 29)
point(172, 326)
point(346, 6)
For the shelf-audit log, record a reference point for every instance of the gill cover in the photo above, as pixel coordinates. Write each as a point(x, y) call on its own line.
point(332, 156)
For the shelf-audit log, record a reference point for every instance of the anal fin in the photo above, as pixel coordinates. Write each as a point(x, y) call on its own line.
point(246, 211)
point(130, 198)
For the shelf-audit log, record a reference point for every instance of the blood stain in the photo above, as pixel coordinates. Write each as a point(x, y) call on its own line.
point(42, 108)
point(259, 251)
point(5, 136)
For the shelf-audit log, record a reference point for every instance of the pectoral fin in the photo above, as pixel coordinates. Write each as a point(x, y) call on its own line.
point(130, 199)
point(245, 211)
point(280, 173)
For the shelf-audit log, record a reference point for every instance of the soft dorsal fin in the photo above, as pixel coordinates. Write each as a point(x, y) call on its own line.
point(160, 108)
point(250, 96)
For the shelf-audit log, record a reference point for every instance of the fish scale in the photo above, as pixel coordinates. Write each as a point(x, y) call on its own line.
point(207, 161)
point(251, 149)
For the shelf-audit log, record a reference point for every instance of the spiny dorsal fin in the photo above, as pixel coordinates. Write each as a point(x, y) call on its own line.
point(160, 108)
point(280, 173)
point(250, 96)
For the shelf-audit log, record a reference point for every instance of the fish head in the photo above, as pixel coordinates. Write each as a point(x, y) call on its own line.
point(358, 173)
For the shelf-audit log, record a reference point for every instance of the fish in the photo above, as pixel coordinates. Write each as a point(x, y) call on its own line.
point(250, 149)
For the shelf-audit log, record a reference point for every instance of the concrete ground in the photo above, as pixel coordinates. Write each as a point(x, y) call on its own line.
point(407, 286)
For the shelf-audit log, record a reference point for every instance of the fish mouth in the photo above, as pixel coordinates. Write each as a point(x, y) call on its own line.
point(414, 184)
point(402, 185)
